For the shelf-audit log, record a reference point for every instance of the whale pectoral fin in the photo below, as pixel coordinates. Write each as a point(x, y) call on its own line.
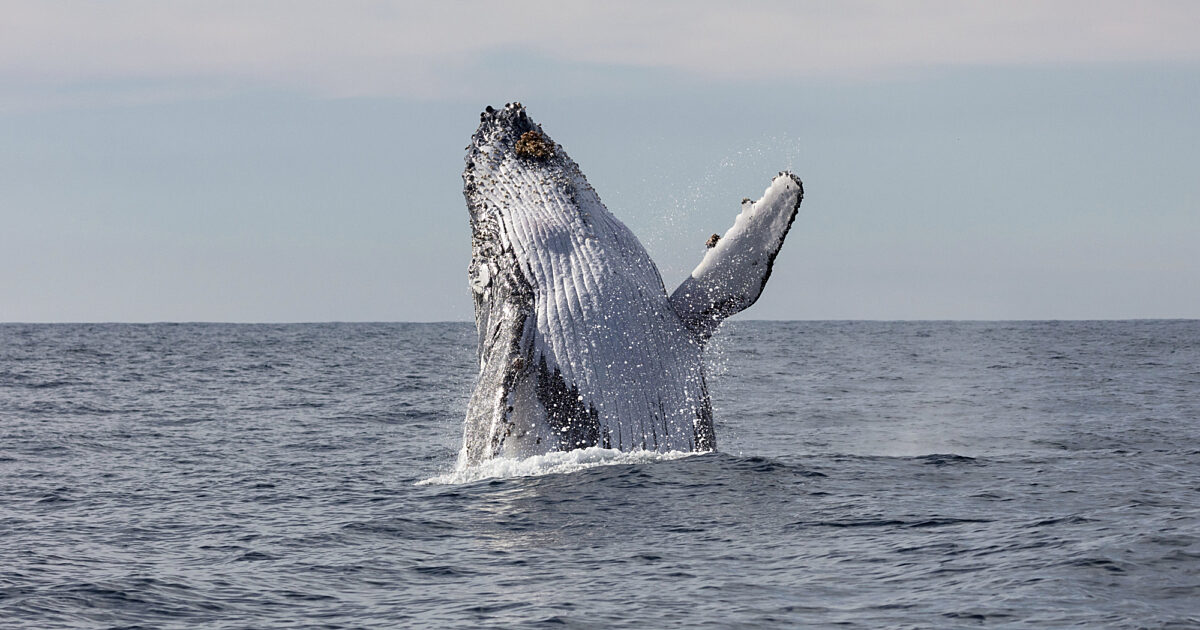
point(504, 321)
point(489, 412)
point(737, 265)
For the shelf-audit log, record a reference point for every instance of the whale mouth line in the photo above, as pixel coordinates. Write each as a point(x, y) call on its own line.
point(551, 463)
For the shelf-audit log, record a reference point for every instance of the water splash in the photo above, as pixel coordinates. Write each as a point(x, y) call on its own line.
point(677, 209)
point(558, 462)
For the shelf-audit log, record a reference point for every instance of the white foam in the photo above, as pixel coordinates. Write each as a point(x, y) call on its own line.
point(551, 463)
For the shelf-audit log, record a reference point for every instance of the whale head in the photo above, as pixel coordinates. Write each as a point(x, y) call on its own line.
point(514, 168)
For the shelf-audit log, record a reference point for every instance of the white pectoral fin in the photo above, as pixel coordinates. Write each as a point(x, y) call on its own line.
point(734, 271)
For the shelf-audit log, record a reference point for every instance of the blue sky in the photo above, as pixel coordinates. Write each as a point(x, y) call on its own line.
point(301, 161)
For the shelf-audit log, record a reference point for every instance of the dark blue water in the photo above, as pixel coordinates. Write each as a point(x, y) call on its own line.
point(871, 475)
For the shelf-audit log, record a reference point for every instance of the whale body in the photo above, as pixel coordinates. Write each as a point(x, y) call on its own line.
point(579, 343)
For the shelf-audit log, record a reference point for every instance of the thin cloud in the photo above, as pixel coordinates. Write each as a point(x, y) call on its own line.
point(435, 50)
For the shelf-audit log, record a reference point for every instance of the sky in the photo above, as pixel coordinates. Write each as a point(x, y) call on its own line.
point(283, 161)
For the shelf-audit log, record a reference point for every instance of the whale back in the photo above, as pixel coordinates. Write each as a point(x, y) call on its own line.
point(579, 343)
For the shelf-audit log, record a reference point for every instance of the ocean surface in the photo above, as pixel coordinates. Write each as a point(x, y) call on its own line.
point(869, 475)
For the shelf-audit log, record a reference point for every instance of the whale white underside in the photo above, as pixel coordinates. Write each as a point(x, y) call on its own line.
point(579, 344)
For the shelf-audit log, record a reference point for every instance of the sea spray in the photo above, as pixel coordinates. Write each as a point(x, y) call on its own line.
point(558, 462)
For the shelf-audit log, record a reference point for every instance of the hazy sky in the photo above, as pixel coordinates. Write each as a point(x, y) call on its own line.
point(301, 161)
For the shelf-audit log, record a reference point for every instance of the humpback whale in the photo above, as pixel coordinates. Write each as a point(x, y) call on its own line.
point(579, 343)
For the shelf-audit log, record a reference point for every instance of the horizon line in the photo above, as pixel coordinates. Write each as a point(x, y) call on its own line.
point(465, 321)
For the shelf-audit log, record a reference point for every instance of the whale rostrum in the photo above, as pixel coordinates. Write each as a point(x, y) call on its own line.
point(579, 343)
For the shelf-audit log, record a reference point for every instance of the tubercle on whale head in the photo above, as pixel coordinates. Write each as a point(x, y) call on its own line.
point(506, 142)
point(502, 128)
point(509, 132)
point(496, 137)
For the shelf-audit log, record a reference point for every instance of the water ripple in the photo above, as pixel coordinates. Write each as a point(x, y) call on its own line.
point(871, 475)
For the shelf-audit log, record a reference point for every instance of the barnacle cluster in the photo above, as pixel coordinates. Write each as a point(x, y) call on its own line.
point(534, 146)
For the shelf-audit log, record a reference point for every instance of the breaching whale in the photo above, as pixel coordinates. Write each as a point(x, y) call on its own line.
point(579, 343)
